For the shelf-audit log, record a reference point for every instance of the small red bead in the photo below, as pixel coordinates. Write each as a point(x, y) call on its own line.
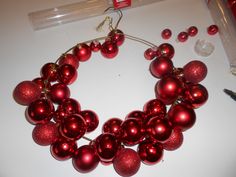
point(166, 33)
point(150, 53)
point(212, 30)
point(95, 46)
point(182, 36)
point(192, 31)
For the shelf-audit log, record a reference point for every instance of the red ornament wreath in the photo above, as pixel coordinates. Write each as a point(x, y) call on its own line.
point(60, 122)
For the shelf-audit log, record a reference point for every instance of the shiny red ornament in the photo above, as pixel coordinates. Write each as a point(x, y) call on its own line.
point(113, 126)
point(59, 92)
point(83, 52)
point(161, 67)
point(195, 71)
point(127, 162)
point(182, 116)
point(212, 29)
point(133, 131)
point(150, 153)
point(174, 141)
point(165, 50)
point(168, 89)
point(109, 49)
point(85, 159)
point(26, 92)
point(159, 129)
point(91, 119)
point(40, 111)
point(137, 115)
point(69, 59)
point(154, 108)
point(43, 84)
point(45, 134)
point(107, 146)
point(67, 74)
point(117, 36)
point(182, 36)
point(192, 31)
point(179, 74)
point(63, 149)
point(166, 33)
point(150, 53)
point(49, 72)
point(73, 127)
point(95, 46)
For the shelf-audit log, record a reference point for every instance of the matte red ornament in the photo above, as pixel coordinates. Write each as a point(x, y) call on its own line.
point(63, 149)
point(174, 141)
point(45, 134)
point(154, 108)
point(69, 59)
point(49, 72)
point(67, 74)
point(165, 50)
point(166, 33)
point(137, 115)
point(59, 92)
point(91, 119)
point(159, 129)
point(26, 92)
point(109, 49)
point(192, 31)
point(182, 116)
point(73, 127)
point(182, 36)
point(83, 52)
point(161, 67)
point(117, 36)
point(212, 29)
point(113, 126)
point(150, 53)
point(127, 162)
point(85, 159)
point(150, 153)
point(95, 46)
point(40, 111)
point(195, 71)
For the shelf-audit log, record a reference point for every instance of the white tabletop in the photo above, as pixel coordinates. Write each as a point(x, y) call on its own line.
point(114, 88)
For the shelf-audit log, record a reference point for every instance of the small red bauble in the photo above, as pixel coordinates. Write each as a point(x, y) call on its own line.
point(45, 134)
point(59, 92)
point(127, 162)
point(109, 49)
point(150, 53)
point(49, 71)
point(113, 126)
point(195, 71)
point(192, 31)
point(91, 119)
point(161, 67)
point(43, 84)
point(85, 159)
point(26, 92)
point(212, 29)
point(174, 141)
point(69, 59)
point(83, 52)
point(182, 116)
point(165, 50)
point(67, 74)
point(166, 33)
point(155, 108)
point(182, 36)
point(95, 46)
point(137, 115)
point(73, 127)
point(117, 36)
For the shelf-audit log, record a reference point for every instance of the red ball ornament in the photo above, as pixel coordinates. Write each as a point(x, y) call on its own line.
point(165, 50)
point(117, 36)
point(174, 141)
point(161, 67)
point(168, 89)
point(49, 72)
point(166, 33)
point(127, 162)
point(44, 85)
point(26, 92)
point(150, 53)
point(95, 46)
point(85, 159)
point(195, 71)
point(83, 52)
point(91, 119)
point(45, 134)
point(67, 74)
point(182, 116)
point(73, 127)
point(109, 49)
point(137, 115)
point(154, 108)
point(182, 36)
point(150, 153)
point(113, 126)
point(69, 59)
point(63, 149)
point(192, 31)
point(212, 29)
point(59, 92)
point(40, 111)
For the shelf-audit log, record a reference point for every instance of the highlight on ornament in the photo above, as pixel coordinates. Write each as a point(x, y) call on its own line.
point(60, 122)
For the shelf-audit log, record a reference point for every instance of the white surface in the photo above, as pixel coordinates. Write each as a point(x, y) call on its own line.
point(114, 88)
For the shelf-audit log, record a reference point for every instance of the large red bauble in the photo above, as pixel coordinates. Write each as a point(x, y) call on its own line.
point(137, 115)
point(117, 36)
point(133, 131)
point(82, 51)
point(40, 111)
point(150, 53)
point(168, 89)
point(195, 71)
point(26, 92)
point(67, 74)
point(49, 71)
point(165, 50)
point(45, 134)
point(161, 66)
point(113, 126)
point(63, 149)
point(73, 127)
point(174, 141)
point(85, 159)
point(107, 146)
point(149, 152)
point(59, 92)
point(109, 49)
point(159, 129)
point(91, 119)
point(154, 108)
point(196, 95)
point(182, 116)
point(127, 162)
point(69, 59)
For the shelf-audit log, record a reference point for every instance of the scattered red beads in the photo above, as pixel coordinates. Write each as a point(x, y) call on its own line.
point(166, 33)
point(212, 29)
point(192, 31)
point(182, 36)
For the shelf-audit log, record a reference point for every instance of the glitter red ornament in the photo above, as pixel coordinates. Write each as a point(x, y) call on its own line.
point(174, 141)
point(192, 31)
point(150, 53)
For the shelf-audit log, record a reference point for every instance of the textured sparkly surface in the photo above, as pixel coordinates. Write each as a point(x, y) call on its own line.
point(174, 141)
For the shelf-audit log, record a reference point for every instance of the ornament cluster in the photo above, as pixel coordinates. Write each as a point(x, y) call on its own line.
point(59, 121)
